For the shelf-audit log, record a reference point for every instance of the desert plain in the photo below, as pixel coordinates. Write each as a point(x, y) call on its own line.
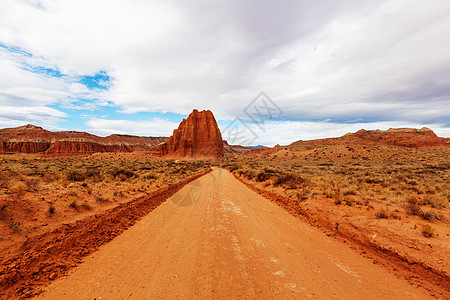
point(365, 215)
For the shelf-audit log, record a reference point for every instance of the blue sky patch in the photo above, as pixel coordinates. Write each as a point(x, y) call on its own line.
point(46, 71)
point(100, 81)
point(15, 49)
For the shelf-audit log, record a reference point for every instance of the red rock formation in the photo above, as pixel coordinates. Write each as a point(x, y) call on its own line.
point(198, 136)
point(400, 137)
point(33, 139)
point(23, 147)
point(235, 149)
point(139, 143)
point(404, 137)
point(84, 147)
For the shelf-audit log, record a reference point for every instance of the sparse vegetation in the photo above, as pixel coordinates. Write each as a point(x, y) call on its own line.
point(427, 231)
point(382, 214)
point(36, 191)
point(414, 182)
point(74, 205)
point(358, 187)
point(51, 210)
point(15, 227)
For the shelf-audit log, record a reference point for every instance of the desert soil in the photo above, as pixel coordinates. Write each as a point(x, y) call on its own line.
point(218, 239)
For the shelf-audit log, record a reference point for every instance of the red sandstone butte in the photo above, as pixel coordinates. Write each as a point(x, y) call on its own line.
point(198, 136)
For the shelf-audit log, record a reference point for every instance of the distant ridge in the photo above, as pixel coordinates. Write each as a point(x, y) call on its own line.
point(399, 137)
point(34, 139)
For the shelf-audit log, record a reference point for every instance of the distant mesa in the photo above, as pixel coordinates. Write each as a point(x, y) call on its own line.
point(198, 136)
point(34, 139)
point(398, 137)
point(236, 149)
point(403, 137)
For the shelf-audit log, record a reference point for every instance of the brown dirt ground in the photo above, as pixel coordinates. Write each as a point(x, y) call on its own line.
point(421, 261)
point(45, 257)
point(232, 243)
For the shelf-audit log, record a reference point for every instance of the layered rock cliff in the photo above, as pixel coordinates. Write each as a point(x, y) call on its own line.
point(399, 137)
point(404, 137)
point(33, 139)
point(235, 149)
point(198, 136)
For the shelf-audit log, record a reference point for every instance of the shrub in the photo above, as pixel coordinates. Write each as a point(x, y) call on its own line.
point(348, 201)
point(262, 176)
point(438, 202)
point(74, 205)
point(290, 180)
point(428, 215)
point(248, 174)
point(15, 227)
point(48, 178)
point(414, 209)
point(94, 175)
point(349, 192)
point(412, 200)
point(372, 180)
point(86, 206)
point(4, 179)
point(232, 168)
point(148, 176)
point(395, 216)
point(302, 195)
point(89, 190)
point(118, 194)
point(75, 175)
point(101, 199)
point(337, 197)
point(18, 189)
point(269, 170)
point(382, 214)
point(51, 209)
point(122, 174)
point(427, 231)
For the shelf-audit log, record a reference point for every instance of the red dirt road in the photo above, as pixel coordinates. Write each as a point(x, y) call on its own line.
point(231, 243)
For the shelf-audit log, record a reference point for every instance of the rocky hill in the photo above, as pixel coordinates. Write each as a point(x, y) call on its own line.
point(403, 137)
point(400, 137)
point(34, 139)
point(197, 136)
point(235, 149)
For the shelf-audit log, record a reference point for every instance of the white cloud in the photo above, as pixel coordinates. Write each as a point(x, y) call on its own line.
point(34, 115)
point(345, 61)
point(285, 133)
point(153, 127)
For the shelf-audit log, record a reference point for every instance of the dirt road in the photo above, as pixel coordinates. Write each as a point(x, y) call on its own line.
point(217, 239)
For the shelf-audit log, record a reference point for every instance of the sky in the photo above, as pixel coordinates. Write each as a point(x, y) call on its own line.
point(139, 67)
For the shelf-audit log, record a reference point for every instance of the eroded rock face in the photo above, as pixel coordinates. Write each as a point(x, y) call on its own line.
point(404, 137)
point(198, 136)
point(33, 139)
point(235, 149)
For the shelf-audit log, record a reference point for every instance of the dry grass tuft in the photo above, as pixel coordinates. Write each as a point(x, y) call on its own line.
point(382, 213)
point(427, 231)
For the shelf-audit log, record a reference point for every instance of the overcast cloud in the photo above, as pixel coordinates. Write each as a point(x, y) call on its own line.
point(331, 66)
